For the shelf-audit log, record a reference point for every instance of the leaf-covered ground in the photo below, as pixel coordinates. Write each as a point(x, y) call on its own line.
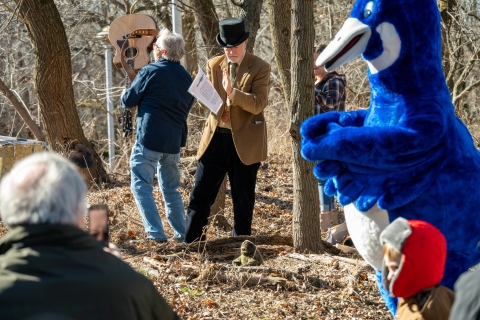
point(200, 283)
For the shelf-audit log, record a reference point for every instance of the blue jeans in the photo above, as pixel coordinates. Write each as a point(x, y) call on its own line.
point(143, 163)
point(326, 202)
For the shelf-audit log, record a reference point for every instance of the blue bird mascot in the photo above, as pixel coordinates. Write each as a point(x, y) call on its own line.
point(408, 155)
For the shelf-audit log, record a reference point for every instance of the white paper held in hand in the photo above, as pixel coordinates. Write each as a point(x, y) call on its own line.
point(203, 91)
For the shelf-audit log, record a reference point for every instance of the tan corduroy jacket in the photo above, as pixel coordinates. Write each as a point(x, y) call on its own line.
point(437, 307)
point(247, 101)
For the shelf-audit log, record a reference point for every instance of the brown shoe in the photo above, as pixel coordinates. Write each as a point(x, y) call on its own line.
point(325, 220)
point(334, 217)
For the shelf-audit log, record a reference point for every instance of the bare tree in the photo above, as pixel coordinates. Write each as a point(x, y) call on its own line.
point(22, 111)
point(461, 50)
point(207, 20)
point(53, 79)
point(306, 222)
point(250, 11)
point(279, 14)
point(191, 59)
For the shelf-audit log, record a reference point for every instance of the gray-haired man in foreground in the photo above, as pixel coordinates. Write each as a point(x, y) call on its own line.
point(50, 268)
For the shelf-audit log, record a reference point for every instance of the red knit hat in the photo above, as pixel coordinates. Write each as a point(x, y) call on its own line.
point(424, 250)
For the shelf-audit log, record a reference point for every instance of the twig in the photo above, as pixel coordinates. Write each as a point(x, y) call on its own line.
point(224, 271)
point(328, 259)
point(13, 14)
point(133, 6)
point(237, 4)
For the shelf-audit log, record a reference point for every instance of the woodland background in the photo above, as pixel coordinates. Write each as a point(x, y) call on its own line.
point(297, 286)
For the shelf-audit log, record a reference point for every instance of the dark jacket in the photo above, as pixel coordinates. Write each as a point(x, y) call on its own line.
point(59, 271)
point(467, 297)
point(160, 90)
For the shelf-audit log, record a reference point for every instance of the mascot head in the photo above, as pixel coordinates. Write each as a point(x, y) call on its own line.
point(399, 39)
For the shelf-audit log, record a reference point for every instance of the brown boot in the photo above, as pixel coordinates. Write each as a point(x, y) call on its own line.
point(334, 217)
point(325, 220)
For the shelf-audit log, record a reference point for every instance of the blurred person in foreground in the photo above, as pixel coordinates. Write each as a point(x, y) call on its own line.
point(160, 90)
point(467, 296)
point(330, 95)
point(414, 254)
point(234, 141)
point(50, 268)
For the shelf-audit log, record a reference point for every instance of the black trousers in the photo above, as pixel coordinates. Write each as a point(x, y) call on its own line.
point(219, 159)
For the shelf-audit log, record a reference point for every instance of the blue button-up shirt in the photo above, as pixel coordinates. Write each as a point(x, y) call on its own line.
point(160, 92)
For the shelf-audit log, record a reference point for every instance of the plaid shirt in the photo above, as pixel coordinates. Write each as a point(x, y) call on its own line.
point(330, 93)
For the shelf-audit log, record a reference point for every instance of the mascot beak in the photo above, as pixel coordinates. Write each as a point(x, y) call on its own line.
point(350, 42)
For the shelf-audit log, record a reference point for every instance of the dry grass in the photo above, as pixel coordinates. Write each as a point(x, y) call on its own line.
point(343, 291)
point(347, 291)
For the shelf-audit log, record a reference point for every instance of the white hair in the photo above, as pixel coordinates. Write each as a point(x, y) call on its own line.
point(42, 188)
point(173, 43)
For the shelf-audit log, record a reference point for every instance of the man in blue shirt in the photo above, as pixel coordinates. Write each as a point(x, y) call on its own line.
point(160, 90)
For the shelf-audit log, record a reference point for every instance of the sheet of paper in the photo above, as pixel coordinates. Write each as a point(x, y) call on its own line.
point(203, 90)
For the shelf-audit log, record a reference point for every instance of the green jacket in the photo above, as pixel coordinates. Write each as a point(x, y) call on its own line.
point(59, 271)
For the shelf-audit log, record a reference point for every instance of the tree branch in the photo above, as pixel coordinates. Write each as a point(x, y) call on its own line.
point(7, 8)
point(464, 73)
point(449, 46)
point(122, 6)
point(237, 4)
point(473, 16)
point(193, 9)
point(468, 13)
point(22, 111)
point(14, 13)
point(227, 9)
point(133, 6)
point(466, 91)
point(127, 6)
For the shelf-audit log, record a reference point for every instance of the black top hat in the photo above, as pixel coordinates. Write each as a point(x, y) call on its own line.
point(232, 32)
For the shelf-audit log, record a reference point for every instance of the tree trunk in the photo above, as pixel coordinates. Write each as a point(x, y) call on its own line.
point(207, 20)
point(279, 14)
point(22, 111)
point(446, 8)
point(306, 222)
point(250, 11)
point(191, 60)
point(24, 97)
point(217, 210)
point(53, 80)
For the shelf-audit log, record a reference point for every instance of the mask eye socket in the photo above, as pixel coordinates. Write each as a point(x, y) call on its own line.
point(367, 11)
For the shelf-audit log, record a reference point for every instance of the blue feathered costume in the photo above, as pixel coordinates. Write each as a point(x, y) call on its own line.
point(408, 155)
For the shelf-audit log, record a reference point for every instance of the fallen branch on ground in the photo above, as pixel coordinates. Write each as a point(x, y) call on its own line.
point(228, 242)
point(250, 276)
point(329, 259)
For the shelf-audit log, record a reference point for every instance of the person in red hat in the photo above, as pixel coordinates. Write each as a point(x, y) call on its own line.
point(414, 262)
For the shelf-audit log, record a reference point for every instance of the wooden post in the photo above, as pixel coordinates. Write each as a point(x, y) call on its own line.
point(6, 158)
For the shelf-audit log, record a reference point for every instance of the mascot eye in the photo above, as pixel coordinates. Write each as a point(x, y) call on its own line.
point(367, 11)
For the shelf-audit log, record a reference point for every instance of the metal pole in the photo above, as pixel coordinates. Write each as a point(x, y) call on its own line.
point(176, 18)
point(111, 133)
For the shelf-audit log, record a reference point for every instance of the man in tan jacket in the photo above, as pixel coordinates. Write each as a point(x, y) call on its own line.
point(234, 141)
